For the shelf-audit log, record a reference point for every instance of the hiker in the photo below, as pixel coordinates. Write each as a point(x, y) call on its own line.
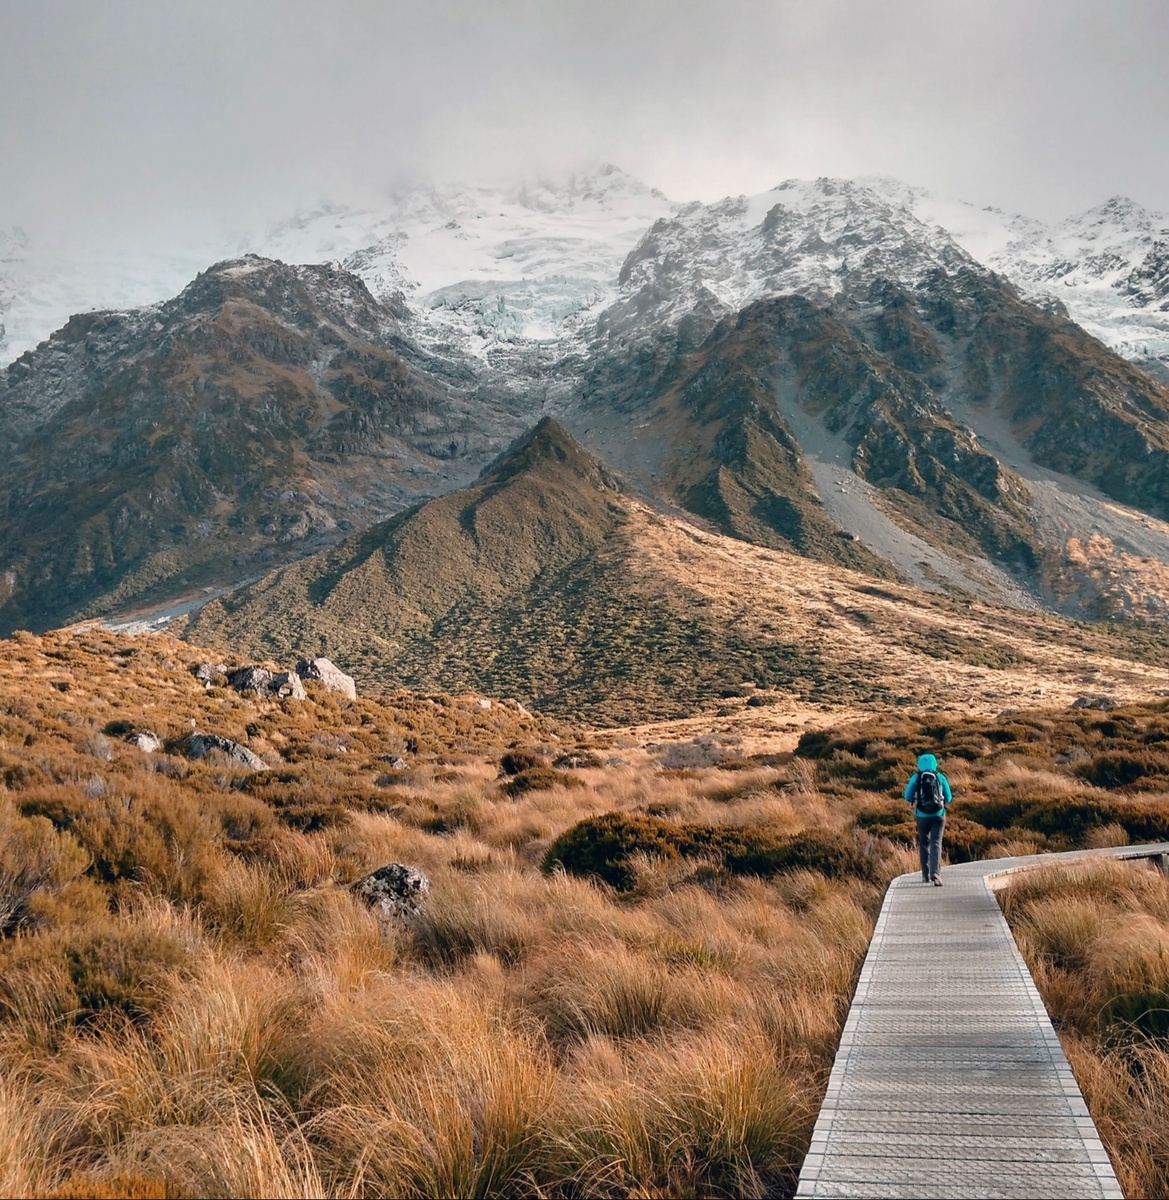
point(928, 790)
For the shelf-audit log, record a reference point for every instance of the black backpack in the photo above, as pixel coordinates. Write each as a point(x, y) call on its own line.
point(927, 794)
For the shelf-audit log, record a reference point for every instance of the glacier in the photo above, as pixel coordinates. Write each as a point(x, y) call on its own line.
point(550, 265)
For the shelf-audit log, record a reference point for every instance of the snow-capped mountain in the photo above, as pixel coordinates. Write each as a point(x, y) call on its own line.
point(479, 267)
point(812, 238)
point(42, 285)
point(1108, 266)
point(849, 369)
point(487, 268)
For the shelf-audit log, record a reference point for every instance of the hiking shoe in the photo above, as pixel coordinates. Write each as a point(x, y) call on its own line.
point(936, 881)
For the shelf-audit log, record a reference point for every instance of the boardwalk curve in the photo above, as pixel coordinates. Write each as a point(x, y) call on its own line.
point(950, 1079)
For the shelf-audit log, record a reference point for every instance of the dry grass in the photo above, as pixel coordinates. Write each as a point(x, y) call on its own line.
point(198, 1005)
point(1096, 936)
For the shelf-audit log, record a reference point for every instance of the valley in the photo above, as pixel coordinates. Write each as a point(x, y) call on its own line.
point(461, 661)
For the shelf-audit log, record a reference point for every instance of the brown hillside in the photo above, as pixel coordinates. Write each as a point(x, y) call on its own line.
point(547, 582)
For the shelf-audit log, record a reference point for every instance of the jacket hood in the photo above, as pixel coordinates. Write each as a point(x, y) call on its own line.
point(927, 762)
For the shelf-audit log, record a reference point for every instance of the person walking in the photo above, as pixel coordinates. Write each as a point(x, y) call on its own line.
point(928, 790)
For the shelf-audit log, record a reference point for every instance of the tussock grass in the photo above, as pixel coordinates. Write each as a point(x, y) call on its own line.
point(198, 1004)
point(1096, 936)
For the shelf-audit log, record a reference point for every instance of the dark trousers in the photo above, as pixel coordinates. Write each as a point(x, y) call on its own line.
point(929, 844)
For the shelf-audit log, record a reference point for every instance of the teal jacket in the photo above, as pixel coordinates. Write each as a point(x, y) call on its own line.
point(927, 762)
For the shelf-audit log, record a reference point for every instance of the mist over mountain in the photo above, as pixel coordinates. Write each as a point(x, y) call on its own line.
point(850, 370)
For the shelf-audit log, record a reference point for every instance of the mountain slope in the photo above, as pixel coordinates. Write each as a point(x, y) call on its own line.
point(549, 582)
point(1105, 267)
point(264, 411)
point(815, 369)
point(527, 583)
point(915, 399)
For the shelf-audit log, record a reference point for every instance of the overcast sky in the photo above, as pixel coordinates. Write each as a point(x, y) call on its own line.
point(159, 115)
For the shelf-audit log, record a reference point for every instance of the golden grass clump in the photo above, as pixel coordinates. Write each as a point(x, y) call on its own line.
point(1096, 936)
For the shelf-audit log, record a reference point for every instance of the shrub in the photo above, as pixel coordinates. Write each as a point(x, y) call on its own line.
point(880, 820)
point(1121, 769)
point(539, 779)
point(514, 762)
point(993, 814)
point(756, 852)
point(967, 841)
point(602, 846)
point(107, 969)
point(35, 862)
point(1143, 820)
point(1067, 818)
point(121, 971)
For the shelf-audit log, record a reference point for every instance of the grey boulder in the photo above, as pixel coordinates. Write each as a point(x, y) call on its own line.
point(208, 674)
point(329, 674)
point(394, 891)
point(145, 739)
point(251, 679)
point(199, 745)
point(287, 685)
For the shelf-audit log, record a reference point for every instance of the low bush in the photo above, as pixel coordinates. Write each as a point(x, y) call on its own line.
point(515, 762)
point(95, 971)
point(1143, 820)
point(968, 841)
point(539, 779)
point(1116, 769)
point(755, 852)
point(605, 847)
point(36, 863)
point(1068, 819)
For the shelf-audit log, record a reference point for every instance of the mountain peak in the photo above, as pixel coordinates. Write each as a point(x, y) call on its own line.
point(549, 446)
point(1118, 215)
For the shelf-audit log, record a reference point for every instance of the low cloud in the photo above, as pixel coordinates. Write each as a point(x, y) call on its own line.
point(140, 119)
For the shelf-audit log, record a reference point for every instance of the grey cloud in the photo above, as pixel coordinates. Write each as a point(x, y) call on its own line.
point(149, 116)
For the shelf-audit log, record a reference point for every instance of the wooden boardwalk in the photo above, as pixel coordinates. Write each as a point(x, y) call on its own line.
point(950, 1080)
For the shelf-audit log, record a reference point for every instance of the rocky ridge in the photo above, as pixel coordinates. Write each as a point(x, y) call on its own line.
point(817, 369)
point(262, 413)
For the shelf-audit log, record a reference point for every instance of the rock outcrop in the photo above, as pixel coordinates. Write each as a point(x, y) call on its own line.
point(251, 679)
point(209, 674)
point(145, 739)
point(287, 685)
point(261, 682)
